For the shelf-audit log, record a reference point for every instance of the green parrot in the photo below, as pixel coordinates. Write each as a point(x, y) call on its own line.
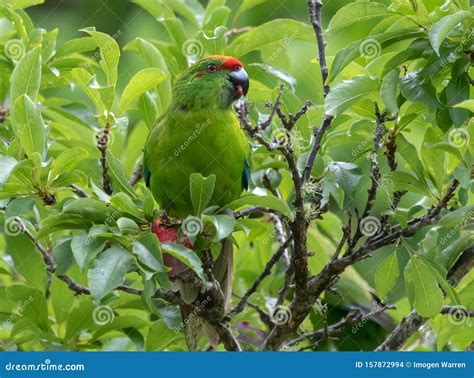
point(199, 133)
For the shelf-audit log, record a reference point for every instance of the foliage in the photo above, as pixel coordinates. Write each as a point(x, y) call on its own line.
point(67, 127)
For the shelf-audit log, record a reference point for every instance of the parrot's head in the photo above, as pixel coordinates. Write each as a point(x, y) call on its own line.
point(216, 81)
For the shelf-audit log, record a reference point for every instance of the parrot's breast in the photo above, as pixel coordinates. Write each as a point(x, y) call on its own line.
point(206, 142)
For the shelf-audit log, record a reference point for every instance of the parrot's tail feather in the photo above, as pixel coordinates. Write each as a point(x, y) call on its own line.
point(196, 327)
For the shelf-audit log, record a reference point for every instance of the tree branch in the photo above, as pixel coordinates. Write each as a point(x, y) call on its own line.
point(102, 142)
point(136, 175)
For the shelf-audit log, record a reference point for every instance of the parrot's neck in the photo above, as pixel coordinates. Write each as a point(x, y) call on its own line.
point(197, 95)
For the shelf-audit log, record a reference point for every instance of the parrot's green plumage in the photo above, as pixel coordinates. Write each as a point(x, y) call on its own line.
point(200, 133)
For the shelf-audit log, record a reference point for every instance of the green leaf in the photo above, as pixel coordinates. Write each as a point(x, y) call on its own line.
point(7, 164)
point(427, 296)
point(85, 248)
point(386, 275)
point(33, 304)
point(440, 273)
point(26, 76)
point(67, 160)
point(348, 92)
point(83, 78)
point(79, 319)
point(416, 88)
point(268, 33)
point(69, 178)
point(77, 45)
point(405, 181)
point(140, 83)
point(119, 323)
point(90, 209)
point(358, 12)
point(152, 259)
point(27, 261)
point(127, 226)
point(124, 203)
point(457, 217)
point(108, 271)
point(154, 58)
point(458, 91)
point(440, 30)
point(468, 104)
point(109, 52)
point(159, 337)
point(354, 50)
point(186, 256)
point(201, 191)
point(28, 125)
point(388, 90)
point(63, 257)
point(247, 5)
point(223, 224)
point(20, 4)
point(271, 202)
point(117, 175)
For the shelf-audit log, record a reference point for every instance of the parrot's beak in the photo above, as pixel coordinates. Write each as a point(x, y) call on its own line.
point(240, 79)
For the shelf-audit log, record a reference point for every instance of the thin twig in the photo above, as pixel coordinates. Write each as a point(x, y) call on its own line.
point(268, 268)
point(136, 175)
point(102, 142)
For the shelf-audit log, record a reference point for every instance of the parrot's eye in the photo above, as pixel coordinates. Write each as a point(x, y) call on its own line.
point(211, 67)
point(237, 68)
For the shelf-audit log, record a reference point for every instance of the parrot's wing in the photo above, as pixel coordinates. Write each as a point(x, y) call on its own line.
point(246, 174)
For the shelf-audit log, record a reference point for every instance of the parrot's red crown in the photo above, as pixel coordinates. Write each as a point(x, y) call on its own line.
point(228, 62)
